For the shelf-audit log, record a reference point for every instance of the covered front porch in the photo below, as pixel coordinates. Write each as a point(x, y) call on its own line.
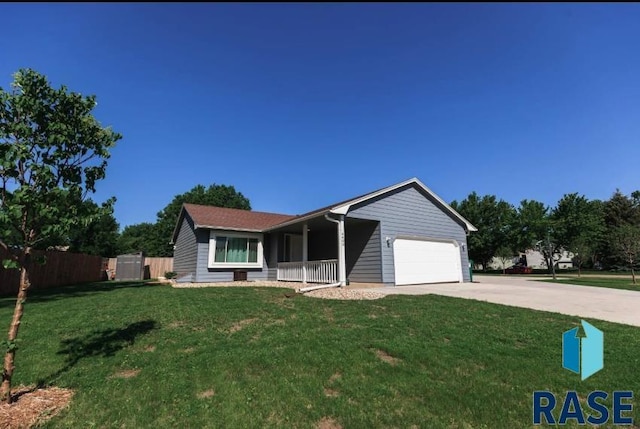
point(325, 249)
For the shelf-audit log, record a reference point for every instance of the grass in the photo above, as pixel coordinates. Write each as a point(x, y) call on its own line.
point(152, 356)
point(614, 283)
point(560, 272)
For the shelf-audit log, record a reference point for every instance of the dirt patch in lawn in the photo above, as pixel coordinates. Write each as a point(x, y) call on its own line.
point(386, 357)
point(206, 394)
point(31, 406)
point(328, 423)
point(335, 377)
point(331, 393)
point(240, 325)
point(177, 324)
point(150, 349)
point(328, 314)
point(126, 373)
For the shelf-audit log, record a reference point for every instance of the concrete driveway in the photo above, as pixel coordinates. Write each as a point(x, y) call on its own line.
point(613, 305)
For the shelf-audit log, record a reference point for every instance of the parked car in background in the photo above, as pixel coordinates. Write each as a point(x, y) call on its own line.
point(519, 269)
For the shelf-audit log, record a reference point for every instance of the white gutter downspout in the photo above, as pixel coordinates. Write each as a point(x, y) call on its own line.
point(342, 269)
point(305, 255)
point(310, 288)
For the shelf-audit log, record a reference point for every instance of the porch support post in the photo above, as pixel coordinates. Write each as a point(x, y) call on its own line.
point(305, 257)
point(342, 266)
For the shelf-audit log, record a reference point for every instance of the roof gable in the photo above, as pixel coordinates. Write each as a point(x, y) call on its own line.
point(344, 206)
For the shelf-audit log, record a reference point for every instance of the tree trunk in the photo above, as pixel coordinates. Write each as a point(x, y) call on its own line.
point(579, 270)
point(7, 372)
point(633, 276)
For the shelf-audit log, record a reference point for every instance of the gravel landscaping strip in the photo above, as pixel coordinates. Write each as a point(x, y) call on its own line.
point(342, 293)
point(329, 293)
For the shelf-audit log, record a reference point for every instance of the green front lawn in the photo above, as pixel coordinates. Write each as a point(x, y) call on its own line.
point(152, 356)
point(614, 283)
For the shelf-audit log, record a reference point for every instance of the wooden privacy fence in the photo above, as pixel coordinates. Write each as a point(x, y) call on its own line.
point(153, 267)
point(60, 268)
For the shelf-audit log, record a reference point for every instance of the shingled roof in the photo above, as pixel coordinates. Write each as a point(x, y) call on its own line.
point(235, 219)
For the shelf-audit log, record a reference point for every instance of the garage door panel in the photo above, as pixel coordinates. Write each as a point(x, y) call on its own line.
point(422, 261)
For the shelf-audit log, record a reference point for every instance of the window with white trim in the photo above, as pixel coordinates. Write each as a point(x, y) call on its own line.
point(232, 250)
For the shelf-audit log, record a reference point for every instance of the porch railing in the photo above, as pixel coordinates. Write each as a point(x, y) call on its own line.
point(324, 271)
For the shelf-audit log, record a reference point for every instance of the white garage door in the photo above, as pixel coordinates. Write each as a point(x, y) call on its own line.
point(421, 261)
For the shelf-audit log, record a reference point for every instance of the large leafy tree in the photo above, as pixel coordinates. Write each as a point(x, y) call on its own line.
point(532, 229)
point(213, 195)
point(140, 237)
point(52, 153)
point(493, 218)
point(625, 240)
point(98, 237)
point(578, 226)
point(622, 210)
point(619, 212)
point(530, 224)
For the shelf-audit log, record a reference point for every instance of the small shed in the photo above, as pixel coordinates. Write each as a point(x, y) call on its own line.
point(130, 267)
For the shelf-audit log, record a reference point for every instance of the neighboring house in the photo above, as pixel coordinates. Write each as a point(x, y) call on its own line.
point(402, 234)
point(534, 259)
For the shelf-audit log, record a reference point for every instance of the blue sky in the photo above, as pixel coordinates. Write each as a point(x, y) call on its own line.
point(302, 105)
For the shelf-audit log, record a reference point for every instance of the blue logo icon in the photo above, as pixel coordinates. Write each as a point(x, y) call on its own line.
point(583, 356)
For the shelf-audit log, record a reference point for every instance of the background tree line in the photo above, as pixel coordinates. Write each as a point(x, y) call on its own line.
point(102, 236)
point(598, 233)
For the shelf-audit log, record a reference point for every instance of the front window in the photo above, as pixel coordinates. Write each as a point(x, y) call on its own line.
point(234, 250)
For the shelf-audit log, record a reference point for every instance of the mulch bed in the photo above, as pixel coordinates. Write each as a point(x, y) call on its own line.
point(33, 406)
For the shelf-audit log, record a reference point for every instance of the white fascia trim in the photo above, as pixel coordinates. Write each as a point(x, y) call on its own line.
point(469, 225)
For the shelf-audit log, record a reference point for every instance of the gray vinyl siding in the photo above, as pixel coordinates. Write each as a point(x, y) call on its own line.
point(184, 254)
point(362, 246)
point(211, 275)
point(407, 211)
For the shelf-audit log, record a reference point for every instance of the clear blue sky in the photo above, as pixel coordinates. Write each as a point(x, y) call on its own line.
point(302, 105)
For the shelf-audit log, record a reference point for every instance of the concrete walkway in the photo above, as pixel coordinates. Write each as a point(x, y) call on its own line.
point(613, 305)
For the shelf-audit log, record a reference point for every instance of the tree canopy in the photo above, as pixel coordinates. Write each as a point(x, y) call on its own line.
point(138, 238)
point(492, 217)
point(154, 239)
point(99, 236)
